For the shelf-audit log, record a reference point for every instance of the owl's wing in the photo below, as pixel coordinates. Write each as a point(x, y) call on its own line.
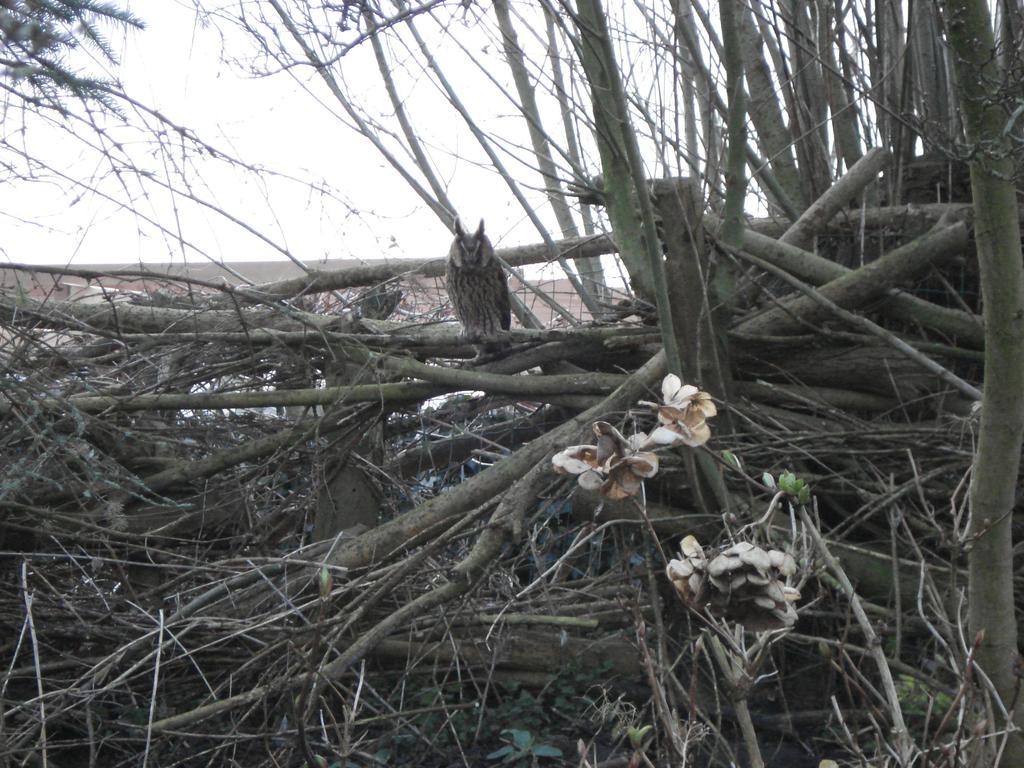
point(453, 284)
point(504, 302)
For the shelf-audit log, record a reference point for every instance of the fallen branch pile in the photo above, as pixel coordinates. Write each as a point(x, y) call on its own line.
point(244, 525)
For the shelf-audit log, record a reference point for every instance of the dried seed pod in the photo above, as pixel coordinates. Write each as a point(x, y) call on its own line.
point(691, 548)
point(757, 558)
point(742, 583)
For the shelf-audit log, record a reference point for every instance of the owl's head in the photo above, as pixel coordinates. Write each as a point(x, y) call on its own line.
point(471, 250)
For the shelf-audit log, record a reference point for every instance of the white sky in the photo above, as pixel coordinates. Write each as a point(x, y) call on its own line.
point(177, 66)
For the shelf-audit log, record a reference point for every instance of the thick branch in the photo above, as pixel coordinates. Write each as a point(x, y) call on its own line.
point(860, 286)
point(862, 322)
point(994, 482)
point(817, 270)
point(380, 271)
point(187, 471)
point(449, 379)
point(814, 219)
point(124, 317)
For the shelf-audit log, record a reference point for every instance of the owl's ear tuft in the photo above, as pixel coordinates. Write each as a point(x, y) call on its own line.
point(459, 231)
point(480, 230)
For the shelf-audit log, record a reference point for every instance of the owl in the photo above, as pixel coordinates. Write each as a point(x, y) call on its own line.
point(476, 285)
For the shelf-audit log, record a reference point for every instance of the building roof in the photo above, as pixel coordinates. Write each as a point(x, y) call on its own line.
point(422, 295)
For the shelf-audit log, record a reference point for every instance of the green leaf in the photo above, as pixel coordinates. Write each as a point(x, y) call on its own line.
point(326, 583)
point(794, 486)
point(500, 753)
point(768, 480)
point(636, 735)
point(546, 750)
point(732, 459)
point(522, 739)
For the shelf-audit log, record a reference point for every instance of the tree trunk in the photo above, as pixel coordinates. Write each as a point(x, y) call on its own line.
point(619, 190)
point(997, 234)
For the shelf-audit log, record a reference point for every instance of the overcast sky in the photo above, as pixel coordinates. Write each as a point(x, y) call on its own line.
point(194, 73)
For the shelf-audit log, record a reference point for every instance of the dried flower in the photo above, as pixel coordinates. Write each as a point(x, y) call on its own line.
point(687, 574)
point(579, 460)
point(625, 477)
point(678, 397)
point(742, 583)
point(616, 466)
point(691, 429)
point(682, 414)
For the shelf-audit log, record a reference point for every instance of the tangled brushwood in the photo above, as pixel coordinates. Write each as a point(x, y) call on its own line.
point(308, 519)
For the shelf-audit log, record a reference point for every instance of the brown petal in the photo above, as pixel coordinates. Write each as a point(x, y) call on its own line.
point(639, 442)
point(690, 547)
point(788, 567)
point(682, 588)
point(774, 591)
point(683, 396)
point(722, 583)
point(696, 584)
point(757, 578)
point(667, 414)
point(692, 431)
point(575, 459)
point(590, 480)
point(670, 385)
point(607, 450)
point(603, 428)
point(643, 464)
point(621, 484)
point(758, 558)
point(738, 548)
point(699, 435)
point(667, 435)
point(703, 404)
point(723, 564)
point(680, 570)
